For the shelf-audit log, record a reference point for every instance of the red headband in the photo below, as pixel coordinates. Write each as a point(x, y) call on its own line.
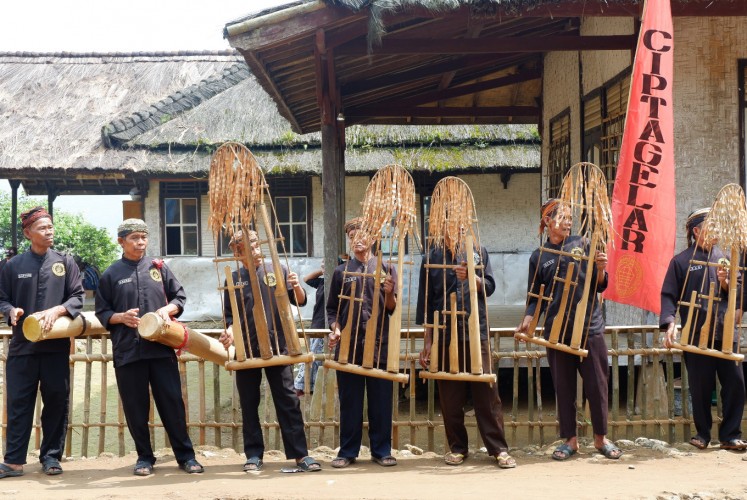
point(548, 208)
point(33, 215)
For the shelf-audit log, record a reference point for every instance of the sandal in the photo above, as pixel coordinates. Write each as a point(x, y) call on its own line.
point(387, 461)
point(342, 462)
point(454, 458)
point(143, 468)
point(698, 442)
point(51, 467)
point(253, 464)
point(563, 452)
point(734, 444)
point(609, 450)
point(505, 461)
point(308, 464)
point(192, 466)
point(7, 471)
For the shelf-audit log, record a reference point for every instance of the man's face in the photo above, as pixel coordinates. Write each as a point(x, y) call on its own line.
point(357, 242)
point(41, 233)
point(134, 245)
point(254, 248)
point(560, 224)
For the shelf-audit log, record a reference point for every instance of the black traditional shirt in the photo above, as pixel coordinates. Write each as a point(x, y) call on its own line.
point(443, 282)
point(682, 278)
point(129, 284)
point(36, 283)
point(545, 265)
point(364, 287)
point(267, 282)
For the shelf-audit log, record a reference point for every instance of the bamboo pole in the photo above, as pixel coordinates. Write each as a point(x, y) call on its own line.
point(86, 402)
point(103, 396)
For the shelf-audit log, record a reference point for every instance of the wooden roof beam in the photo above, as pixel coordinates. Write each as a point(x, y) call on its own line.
point(493, 45)
point(394, 111)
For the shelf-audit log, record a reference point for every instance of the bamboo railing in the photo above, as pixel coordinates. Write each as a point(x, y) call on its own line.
point(97, 422)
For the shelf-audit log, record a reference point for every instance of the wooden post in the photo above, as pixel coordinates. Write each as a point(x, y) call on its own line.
point(14, 185)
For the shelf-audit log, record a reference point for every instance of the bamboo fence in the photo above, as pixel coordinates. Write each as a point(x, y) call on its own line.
point(97, 422)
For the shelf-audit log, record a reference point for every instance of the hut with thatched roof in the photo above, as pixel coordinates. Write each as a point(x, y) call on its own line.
point(145, 124)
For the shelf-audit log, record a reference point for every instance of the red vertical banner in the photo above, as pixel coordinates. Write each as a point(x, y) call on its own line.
point(643, 200)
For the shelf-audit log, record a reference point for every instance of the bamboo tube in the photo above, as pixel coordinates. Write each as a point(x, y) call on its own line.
point(559, 319)
point(728, 333)
point(287, 322)
point(152, 327)
point(86, 401)
point(710, 352)
point(583, 304)
point(258, 307)
point(102, 398)
point(369, 340)
point(395, 320)
point(402, 378)
point(473, 322)
point(454, 341)
point(692, 305)
point(433, 366)
point(462, 377)
point(705, 329)
point(65, 327)
point(238, 336)
point(532, 330)
point(347, 331)
point(274, 361)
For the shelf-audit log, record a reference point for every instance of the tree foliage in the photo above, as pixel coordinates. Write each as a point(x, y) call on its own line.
point(72, 234)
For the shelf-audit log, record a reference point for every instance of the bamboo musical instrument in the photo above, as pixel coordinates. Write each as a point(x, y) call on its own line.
point(369, 340)
point(346, 333)
point(725, 225)
point(85, 323)
point(583, 198)
point(692, 306)
point(178, 336)
point(453, 229)
point(287, 322)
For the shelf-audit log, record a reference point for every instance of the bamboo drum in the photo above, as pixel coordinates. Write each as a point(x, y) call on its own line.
point(152, 327)
point(65, 327)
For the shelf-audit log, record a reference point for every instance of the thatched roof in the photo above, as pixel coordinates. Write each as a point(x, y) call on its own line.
point(115, 119)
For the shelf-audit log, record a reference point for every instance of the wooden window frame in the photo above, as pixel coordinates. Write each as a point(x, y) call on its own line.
point(179, 189)
point(559, 155)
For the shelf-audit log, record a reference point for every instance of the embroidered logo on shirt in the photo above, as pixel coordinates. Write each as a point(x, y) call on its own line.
point(155, 274)
point(724, 262)
point(696, 268)
point(577, 253)
point(548, 263)
point(25, 275)
point(58, 269)
point(349, 279)
point(270, 279)
point(123, 281)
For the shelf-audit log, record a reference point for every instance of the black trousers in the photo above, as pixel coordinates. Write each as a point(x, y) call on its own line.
point(50, 374)
point(351, 388)
point(162, 375)
point(594, 372)
point(287, 408)
point(488, 408)
point(701, 372)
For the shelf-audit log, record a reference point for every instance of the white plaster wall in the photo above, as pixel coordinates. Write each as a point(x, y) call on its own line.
point(152, 218)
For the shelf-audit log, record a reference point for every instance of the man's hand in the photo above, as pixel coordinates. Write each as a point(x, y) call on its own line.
point(425, 354)
point(601, 261)
point(669, 336)
point(334, 337)
point(723, 277)
point(523, 327)
point(226, 337)
point(15, 315)
point(293, 279)
point(49, 316)
point(461, 271)
point(388, 284)
point(165, 313)
point(128, 318)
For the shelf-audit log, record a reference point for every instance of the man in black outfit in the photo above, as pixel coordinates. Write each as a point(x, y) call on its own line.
point(44, 283)
point(129, 288)
point(682, 278)
point(279, 378)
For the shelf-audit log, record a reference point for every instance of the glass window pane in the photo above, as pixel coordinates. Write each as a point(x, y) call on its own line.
point(173, 240)
point(282, 208)
point(284, 233)
point(190, 240)
point(299, 239)
point(299, 209)
point(171, 207)
point(224, 241)
point(189, 211)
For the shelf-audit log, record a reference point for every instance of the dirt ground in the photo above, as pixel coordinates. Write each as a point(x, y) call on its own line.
point(649, 469)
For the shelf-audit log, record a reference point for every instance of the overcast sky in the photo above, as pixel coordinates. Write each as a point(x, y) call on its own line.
point(132, 26)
